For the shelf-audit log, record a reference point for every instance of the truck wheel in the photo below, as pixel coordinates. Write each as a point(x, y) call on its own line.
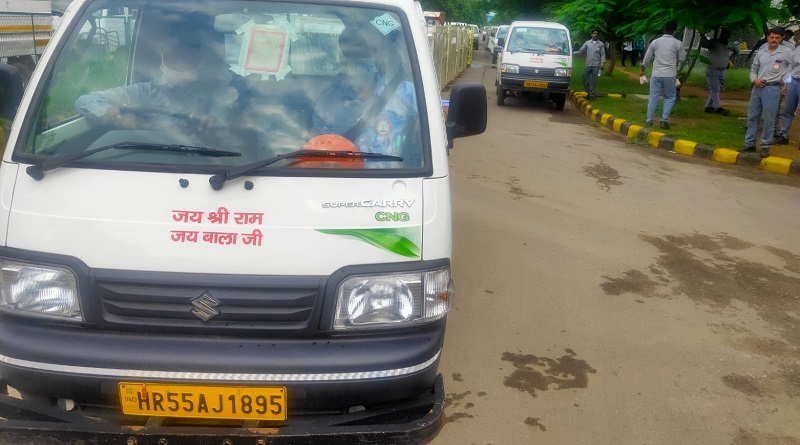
point(501, 95)
point(494, 58)
point(560, 100)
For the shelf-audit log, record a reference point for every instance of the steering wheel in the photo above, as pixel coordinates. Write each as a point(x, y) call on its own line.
point(149, 110)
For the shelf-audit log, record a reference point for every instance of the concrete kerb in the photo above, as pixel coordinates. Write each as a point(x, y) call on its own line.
point(684, 147)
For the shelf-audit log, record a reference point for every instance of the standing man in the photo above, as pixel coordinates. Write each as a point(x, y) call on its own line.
point(666, 53)
point(595, 52)
point(792, 95)
point(719, 59)
point(627, 52)
point(770, 67)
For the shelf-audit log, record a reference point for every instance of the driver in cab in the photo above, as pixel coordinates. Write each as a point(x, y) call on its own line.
point(179, 98)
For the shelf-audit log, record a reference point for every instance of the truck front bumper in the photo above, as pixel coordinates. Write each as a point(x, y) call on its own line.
point(412, 421)
point(332, 373)
point(516, 82)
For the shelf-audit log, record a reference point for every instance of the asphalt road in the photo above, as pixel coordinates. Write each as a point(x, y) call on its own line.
point(611, 293)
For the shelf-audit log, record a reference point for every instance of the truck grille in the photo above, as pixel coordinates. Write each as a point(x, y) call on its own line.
point(273, 310)
point(543, 72)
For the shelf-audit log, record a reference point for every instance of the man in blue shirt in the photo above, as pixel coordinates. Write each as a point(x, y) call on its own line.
point(346, 107)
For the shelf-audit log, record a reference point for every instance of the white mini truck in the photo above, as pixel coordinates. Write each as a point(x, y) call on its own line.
point(230, 213)
point(535, 60)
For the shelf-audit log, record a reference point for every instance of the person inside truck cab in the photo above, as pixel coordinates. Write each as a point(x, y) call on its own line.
point(182, 96)
point(371, 102)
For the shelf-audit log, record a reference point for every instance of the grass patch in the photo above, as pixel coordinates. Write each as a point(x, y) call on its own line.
point(688, 120)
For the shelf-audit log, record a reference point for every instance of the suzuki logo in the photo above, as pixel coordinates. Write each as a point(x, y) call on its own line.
point(536, 71)
point(204, 307)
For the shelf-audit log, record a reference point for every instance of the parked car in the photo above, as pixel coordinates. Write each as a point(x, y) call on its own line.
point(496, 43)
point(476, 35)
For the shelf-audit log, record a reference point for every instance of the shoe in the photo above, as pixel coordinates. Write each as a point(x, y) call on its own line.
point(764, 152)
point(709, 109)
point(648, 124)
point(780, 140)
point(722, 111)
point(750, 148)
point(664, 125)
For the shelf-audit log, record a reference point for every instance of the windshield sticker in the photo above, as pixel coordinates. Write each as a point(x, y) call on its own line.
point(402, 241)
point(385, 23)
point(263, 49)
point(219, 216)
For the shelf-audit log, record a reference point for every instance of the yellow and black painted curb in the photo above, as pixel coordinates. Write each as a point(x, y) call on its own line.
point(661, 140)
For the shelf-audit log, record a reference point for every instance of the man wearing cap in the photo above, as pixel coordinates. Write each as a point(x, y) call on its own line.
point(770, 67)
point(356, 106)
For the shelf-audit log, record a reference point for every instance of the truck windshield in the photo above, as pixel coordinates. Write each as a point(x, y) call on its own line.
point(257, 78)
point(539, 41)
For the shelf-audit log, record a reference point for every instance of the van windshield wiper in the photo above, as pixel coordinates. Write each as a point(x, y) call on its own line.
point(218, 181)
point(36, 171)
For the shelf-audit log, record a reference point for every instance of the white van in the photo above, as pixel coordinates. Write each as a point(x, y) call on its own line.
point(536, 59)
point(236, 212)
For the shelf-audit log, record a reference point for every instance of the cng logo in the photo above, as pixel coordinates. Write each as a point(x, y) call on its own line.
point(385, 23)
point(205, 307)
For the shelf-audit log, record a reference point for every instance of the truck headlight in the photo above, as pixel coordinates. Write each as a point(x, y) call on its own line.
point(563, 72)
point(41, 290)
point(393, 299)
point(509, 68)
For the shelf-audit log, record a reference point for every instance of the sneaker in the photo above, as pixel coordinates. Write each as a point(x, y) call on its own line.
point(709, 109)
point(721, 111)
point(764, 152)
point(664, 125)
point(780, 140)
point(648, 124)
point(749, 148)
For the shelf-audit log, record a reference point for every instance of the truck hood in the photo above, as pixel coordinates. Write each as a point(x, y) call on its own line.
point(149, 221)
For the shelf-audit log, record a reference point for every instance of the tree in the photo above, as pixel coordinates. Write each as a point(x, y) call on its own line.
point(581, 16)
point(467, 11)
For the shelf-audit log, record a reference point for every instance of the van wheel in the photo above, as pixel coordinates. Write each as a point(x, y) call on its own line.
point(560, 100)
point(494, 58)
point(501, 95)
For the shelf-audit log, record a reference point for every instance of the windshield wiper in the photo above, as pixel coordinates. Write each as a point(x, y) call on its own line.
point(36, 171)
point(218, 181)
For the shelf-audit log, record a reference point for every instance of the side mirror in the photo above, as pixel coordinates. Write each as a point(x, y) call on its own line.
point(467, 112)
point(501, 41)
point(11, 89)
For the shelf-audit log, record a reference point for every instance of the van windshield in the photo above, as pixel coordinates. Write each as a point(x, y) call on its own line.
point(539, 41)
point(256, 78)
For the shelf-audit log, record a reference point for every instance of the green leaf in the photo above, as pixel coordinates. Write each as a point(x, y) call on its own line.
point(387, 239)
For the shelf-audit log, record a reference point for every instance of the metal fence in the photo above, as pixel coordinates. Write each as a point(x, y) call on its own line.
point(451, 46)
point(24, 34)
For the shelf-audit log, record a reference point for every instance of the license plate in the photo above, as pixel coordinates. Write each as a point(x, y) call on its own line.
point(203, 402)
point(532, 84)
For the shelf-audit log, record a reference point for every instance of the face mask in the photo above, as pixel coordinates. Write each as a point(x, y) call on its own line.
point(177, 78)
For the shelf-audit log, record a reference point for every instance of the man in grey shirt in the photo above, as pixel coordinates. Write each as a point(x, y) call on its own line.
point(770, 68)
point(665, 54)
point(595, 51)
point(719, 59)
point(792, 97)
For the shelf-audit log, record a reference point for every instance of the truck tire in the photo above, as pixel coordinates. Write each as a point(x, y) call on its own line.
point(494, 58)
point(501, 95)
point(560, 100)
